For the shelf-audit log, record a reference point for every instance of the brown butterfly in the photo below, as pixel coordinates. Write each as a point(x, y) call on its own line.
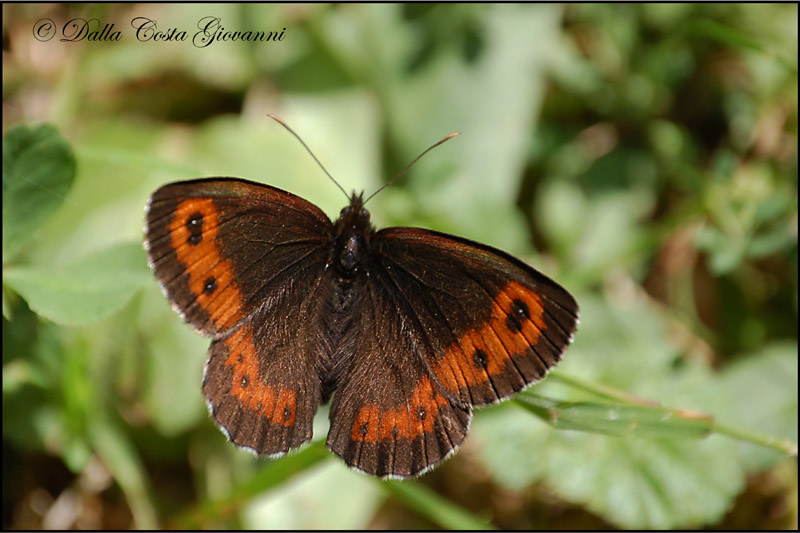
point(407, 329)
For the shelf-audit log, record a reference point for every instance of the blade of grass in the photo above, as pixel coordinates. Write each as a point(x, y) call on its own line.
point(121, 459)
point(586, 416)
point(618, 419)
point(272, 475)
point(432, 506)
point(415, 496)
point(727, 35)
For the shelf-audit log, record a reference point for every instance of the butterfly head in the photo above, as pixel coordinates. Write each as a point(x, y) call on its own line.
point(354, 217)
point(353, 231)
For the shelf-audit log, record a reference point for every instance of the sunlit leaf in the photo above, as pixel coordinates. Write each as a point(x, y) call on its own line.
point(759, 393)
point(38, 170)
point(84, 291)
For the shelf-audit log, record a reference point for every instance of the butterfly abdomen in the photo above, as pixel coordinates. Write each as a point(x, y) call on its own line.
point(339, 331)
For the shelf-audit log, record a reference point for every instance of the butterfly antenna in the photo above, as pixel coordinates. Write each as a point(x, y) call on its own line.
point(282, 123)
point(454, 134)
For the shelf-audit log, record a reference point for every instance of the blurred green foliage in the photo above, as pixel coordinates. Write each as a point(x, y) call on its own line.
point(643, 155)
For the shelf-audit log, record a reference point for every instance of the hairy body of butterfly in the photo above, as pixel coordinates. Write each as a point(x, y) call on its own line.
point(403, 329)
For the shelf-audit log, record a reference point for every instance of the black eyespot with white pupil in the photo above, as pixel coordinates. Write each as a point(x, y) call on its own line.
point(518, 314)
point(195, 226)
point(479, 358)
point(210, 285)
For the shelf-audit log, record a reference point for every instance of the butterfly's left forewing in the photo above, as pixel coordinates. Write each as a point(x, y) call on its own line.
point(467, 323)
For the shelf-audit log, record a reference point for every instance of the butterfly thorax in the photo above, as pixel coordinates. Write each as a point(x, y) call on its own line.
point(352, 234)
point(351, 238)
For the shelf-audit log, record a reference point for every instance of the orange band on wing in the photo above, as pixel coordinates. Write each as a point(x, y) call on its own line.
point(279, 405)
point(514, 325)
point(407, 421)
point(193, 230)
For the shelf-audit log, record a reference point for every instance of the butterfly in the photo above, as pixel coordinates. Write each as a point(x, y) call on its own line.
point(404, 330)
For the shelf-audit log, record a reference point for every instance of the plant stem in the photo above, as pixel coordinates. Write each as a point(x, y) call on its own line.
point(785, 446)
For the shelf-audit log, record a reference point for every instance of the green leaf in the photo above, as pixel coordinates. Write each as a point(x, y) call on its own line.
point(637, 483)
point(38, 171)
point(84, 291)
point(759, 393)
point(621, 344)
point(618, 420)
point(648, 484)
